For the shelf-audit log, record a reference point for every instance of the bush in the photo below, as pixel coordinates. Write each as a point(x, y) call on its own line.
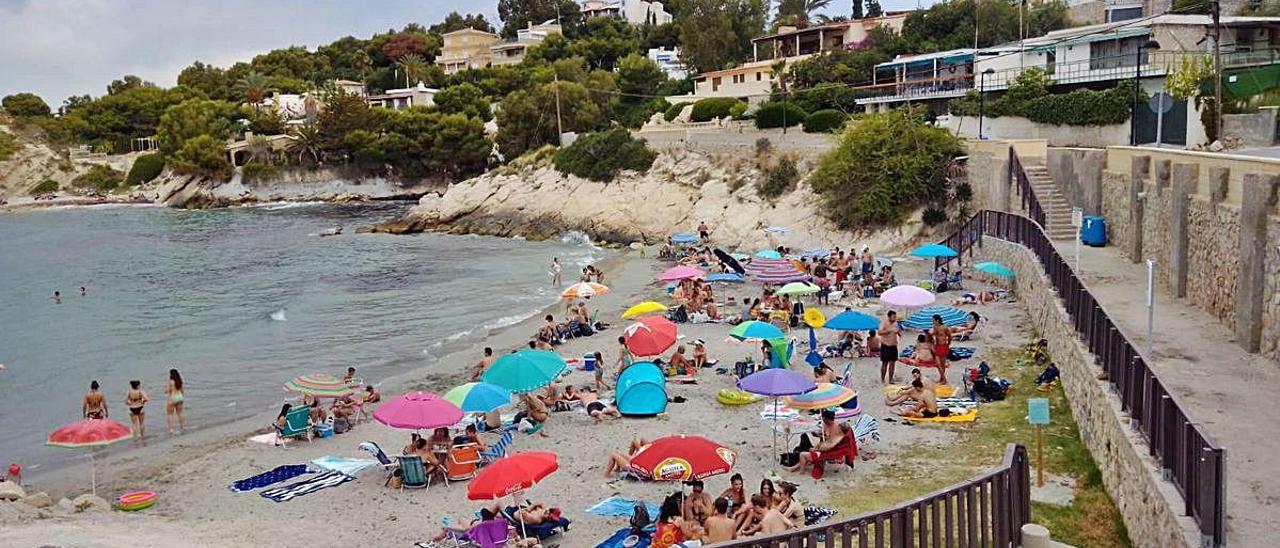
point(739, 111)
point(825, 121)
point(253, 172)
point(600, 156)
point(8, 145)
point(1029, 98)
point(673, 111)
point(203, 155)
point(779, 114)
point(964, 192)
point(933, 216)
point(47, 185)
point(99, 178)
point(780, 180)
point(145, 168)
point(25, 105)
point(827, 97)
point(709, 109)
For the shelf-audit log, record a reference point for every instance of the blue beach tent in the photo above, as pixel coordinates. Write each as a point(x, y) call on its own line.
point(642, 390)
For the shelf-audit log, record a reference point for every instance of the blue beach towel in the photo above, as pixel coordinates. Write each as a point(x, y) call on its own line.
point(295, 490)
point(619, 507)
point(956, 354)
point(615, 541)
point(277, 475)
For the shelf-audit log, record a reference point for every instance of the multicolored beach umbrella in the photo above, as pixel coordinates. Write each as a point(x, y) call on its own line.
point(584, 289)
point(824, 396)
point(525, 370)
point(951, 316)
point(765, 264)
point(478, 397)
point(318, 385)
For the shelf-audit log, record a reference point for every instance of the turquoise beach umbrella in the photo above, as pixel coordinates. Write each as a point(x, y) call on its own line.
point(994, 269)
point(756, 330)
point(478, 397)
point(526, 370)
point(933, 250)
point(768, 254)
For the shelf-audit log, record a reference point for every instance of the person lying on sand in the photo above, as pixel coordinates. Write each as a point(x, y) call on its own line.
point(981, 297)
point(456, 533)
point(619, 461)
point(970, 325)
point(597, 409)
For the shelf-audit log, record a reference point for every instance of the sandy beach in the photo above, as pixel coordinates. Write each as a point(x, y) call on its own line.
point(191, 472)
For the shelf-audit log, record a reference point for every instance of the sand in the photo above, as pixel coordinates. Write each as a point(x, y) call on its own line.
point(191, 471)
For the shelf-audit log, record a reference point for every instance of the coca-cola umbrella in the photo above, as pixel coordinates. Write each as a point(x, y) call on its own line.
point(649, 336)
point(682, 458)
point(90, 433)
point(512, 474)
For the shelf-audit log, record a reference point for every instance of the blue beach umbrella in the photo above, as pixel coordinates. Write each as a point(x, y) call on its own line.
point(852, 320)
point(933, 250)
point(684, 238)
point(951, 316)
point(994, 269)
point(724, 277)
point(813, 358)
point(816, 253)
point(756, 330)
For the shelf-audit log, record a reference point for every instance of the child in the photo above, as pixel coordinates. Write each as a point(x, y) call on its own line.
point(599, 372)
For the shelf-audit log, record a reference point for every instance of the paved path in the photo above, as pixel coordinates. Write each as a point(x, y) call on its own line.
point(1230, 392)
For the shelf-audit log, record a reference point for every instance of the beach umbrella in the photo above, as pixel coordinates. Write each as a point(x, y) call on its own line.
point(725, 277)
point(417, 411)
point(649, 336)
point(511, 475)
point(765, 264)
point(478, 397)
point(647, 307)
point(318, 385)
point(852, 320)
point(799, 288)
point(767, 254)
point(729, 260)
point(816, 253)
point(584, 289)
point(775, 382)
point(813, 358)
point(525, 370)
point(824, 396)
point(90, 433)
point(682, 458)
point(680, 273)
point(755, 330)
point(908, 296)
point(781, 276)
point(933, 250)
point(683, 238)
point(951, 316)
point(777, 230)
point(994, 269)
point(814, 318)
point(740, 256)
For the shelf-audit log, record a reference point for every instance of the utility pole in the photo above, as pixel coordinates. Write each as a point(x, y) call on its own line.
point(1022, 36)
point(559, 125)
point(1217, 67)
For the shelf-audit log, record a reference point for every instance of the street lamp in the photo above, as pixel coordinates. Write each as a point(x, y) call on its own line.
point(1150, 46)
point(982, 97)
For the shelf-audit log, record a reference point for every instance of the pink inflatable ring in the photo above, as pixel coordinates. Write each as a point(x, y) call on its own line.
point(137, 500)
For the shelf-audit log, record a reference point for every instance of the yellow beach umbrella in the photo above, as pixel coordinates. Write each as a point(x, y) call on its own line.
point(584, 289)
point(647, 307)
point(814, 318)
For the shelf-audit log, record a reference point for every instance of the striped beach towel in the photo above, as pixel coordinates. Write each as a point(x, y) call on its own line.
point(294, 490)
point(275, 475)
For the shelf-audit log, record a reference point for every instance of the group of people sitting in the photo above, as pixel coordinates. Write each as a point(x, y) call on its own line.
point(697, 516)
point(922, 396)
point(343, 412)
point(577, 323)
point(434, 449)
point(515, 521)
point(697, 297)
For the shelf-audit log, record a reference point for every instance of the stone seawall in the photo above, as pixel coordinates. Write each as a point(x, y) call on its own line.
point(1150, 506)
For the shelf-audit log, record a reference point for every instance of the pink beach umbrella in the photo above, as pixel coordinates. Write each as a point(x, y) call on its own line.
point(908, 296)
point(680, 273)
point(418, 411)
point(90, 433)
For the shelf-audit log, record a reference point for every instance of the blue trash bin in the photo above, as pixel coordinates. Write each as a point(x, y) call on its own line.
point(1094, 231)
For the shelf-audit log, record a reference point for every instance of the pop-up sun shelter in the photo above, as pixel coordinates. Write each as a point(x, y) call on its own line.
point(642, 390)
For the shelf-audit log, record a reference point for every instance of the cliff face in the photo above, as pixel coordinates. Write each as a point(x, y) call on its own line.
point(327, 185)
point(34, 162)
point(679, 191)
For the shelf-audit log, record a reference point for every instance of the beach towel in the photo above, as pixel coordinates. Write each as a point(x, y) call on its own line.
point(970, 416)
point(616, 506)
point(276, 475)
point(782, 412)
point(940, 390)
point(615, 540)
point(956, 354)
point(270, 438)
point(814, 515)
point(866, 430)
point(346, 465)
point(295, 490)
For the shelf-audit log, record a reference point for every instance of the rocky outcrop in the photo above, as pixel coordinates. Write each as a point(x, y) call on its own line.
point(290, 185)
point(34, 162)
point(680, 190)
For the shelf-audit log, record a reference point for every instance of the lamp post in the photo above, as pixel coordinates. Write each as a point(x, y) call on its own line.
point(1150, 46)
point(982, 97)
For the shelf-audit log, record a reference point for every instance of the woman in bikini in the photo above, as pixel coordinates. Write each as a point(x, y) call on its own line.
point(136, 400)
point(95, 405)
point(173, 407)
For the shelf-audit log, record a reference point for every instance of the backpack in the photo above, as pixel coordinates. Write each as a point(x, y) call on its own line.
point(639, 518)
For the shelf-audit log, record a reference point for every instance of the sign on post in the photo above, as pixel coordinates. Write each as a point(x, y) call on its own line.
point(1038, 415)
point(1077, 217)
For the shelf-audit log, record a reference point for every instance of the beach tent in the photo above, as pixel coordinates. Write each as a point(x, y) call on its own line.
point(642, 390)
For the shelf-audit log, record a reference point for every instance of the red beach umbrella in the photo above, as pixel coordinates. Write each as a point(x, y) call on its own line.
point(682, 458)
point(90, 433)
point(512, 474)
point(650, 336)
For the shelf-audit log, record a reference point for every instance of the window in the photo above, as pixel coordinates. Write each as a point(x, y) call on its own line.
point(1123, 14)
point(759, 75)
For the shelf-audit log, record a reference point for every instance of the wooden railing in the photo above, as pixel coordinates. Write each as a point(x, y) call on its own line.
point(988, 510)
point(1187, 455)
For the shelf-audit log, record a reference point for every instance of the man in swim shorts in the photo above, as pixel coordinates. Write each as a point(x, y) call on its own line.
point(941, 346)
point(597, 409)
point(888, 333)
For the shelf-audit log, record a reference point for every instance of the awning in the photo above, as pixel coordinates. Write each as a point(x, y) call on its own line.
point(1089, 38)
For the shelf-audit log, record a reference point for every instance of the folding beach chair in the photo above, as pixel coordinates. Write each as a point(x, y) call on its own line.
point(297, 423)
point(497, 450)
point(462, 462)
point(413, 473)
point(388, 466)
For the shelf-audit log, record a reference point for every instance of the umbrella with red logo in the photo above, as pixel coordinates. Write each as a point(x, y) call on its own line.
point(682, 458)
point(650, 336)
point(90, 433)
point(512, 474)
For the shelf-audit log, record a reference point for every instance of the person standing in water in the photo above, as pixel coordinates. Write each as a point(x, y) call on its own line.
point(556, 271)
point(173, 407)
point(95, 405)
point(136, 400)
point(57, 297)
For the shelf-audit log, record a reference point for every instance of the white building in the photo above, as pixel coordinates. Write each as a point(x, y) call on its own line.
point(669, 61)
point(400, 99)
point(350, 87)
point(510, 53)
point(635, 12)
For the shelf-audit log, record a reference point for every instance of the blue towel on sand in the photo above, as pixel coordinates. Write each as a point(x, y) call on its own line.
point(615, 541)
point(277, 475)
point(306, 487)
point(619, 507)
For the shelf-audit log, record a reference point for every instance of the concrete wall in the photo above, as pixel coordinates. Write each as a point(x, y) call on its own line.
point(1012, 127)
point(1253, 130)
point(735, 137)
point(989, 169)
point(1078, 174)
point(1150, 506)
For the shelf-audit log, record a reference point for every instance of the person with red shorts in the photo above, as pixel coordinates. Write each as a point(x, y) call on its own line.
point(941, 346)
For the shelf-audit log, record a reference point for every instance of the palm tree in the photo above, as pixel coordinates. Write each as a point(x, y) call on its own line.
point(254, 87)
point(305, 142)
point(414, 66)
point(800, 12)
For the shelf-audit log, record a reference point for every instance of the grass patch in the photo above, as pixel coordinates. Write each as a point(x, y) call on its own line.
point(8, 145)
point(1091, 520)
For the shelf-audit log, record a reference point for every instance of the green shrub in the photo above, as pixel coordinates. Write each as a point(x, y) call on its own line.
point(254, 172)
point(779, 114)
point(47, 185)
point(780, 180)
point(8, 145)
point(673, 111)
point(709, 109)
point(99, 178)
point(145, 168)
point(600, 156)
point(825, 121)
point(203, 155)
point(1030, 98)
point(933, 216)
point(827, 97)
point(964, 192)
point(739, 111)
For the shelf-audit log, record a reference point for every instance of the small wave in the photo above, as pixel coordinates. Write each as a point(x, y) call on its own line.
point(508, 321)
point(279, 316)
point(276, 206)
point(576, 237)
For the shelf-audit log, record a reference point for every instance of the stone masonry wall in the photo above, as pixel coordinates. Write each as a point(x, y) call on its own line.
point(1212, 274)
point(1115, 208)
point(1148, 504)
point(1271, 296)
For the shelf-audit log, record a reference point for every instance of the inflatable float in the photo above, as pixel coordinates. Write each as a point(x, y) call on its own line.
point(733, 396)
point(136, 500)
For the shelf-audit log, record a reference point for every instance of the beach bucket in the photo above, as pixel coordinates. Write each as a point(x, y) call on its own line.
point(589, 362)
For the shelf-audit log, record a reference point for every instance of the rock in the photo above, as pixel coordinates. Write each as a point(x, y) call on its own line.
point(65, 504)
point(38, 500)
point(1216, 146)
point(11, 491)
point(87, 502)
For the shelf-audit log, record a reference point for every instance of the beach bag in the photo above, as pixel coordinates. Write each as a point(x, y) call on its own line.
point(680, 315)
point(988, 389)
point(790, 458)
point(640, 518)
point(341, 426)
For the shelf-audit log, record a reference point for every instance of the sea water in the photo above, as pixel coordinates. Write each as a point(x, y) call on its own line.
point(239, 301)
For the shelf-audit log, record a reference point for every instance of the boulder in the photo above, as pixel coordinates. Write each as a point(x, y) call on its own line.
point(66, 505)
point(38, 500)
point(87, 502)
point(11, 491)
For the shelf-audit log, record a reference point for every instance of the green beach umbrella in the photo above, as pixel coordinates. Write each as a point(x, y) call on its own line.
point(799, 288)
point(995, 269)
point(526, 370)
point(478, 397)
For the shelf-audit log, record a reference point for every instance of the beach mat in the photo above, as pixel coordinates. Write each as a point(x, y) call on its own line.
point(615, 540)
point(295, 490)
point(941, 390)
point(275, 475)
point(967, 417)
point(346, 465)
point(270, 438)
point(616, 506)
point(956, 354)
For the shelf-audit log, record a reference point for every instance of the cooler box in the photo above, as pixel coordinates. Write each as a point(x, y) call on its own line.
point(589, 362)
point(1094, 231)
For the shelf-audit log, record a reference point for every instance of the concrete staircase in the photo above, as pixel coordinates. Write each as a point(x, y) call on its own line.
point(1057, 210)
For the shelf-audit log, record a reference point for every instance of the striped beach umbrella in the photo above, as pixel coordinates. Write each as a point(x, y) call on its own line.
point(824, 396)
point(951, 316)
point(774, 277)
point(584, 289)
point(318, 385)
